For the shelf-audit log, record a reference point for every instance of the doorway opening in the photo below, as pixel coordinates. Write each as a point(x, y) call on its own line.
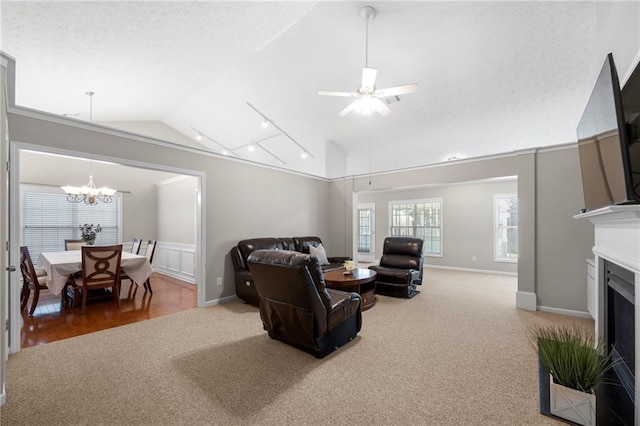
point(157, 203)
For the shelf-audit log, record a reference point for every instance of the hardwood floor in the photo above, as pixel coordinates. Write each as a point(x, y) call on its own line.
point(49, 323)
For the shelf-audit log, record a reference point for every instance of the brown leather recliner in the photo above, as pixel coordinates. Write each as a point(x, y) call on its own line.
point(400, 268)
point(296, 307)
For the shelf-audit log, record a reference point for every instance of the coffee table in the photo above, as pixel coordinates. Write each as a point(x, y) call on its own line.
point(361, 281)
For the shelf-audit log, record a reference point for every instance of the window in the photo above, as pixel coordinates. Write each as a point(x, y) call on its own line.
point(506, 227)
point(365, 228)
point(418, 218)
point(48, 219)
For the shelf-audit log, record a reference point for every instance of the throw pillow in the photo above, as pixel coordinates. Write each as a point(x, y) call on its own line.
point(319, 253)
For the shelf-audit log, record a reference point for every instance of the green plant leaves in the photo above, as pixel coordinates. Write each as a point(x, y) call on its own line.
point(574, 359)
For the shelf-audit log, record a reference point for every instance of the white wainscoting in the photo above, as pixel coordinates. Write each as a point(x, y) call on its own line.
point(173, 259)
point(176, 260)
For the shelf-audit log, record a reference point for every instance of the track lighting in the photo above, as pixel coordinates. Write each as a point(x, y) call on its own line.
point(267, 122)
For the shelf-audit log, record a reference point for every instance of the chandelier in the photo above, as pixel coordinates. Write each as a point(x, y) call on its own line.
point(89, 194)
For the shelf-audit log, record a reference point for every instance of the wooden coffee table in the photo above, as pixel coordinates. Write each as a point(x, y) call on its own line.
point(361, 281)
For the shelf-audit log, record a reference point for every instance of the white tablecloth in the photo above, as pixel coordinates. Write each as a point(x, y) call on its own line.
point(60, 264)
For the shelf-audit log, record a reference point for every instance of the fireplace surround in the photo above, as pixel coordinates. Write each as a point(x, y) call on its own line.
point(617, 274)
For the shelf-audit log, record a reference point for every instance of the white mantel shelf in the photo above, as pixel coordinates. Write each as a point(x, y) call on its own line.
point(612, 213)
point(617, 234)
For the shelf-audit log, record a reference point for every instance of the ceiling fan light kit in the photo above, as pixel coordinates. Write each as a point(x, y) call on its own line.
point(368, 97)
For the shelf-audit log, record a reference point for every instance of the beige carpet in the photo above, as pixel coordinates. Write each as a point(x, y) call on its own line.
point(456, 354)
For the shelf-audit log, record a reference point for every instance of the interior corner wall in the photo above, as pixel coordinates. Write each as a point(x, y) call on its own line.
point(242, 200)
point(176, 211)
point(562, 243)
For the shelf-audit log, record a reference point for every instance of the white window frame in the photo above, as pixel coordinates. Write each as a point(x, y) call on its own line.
point(365, 256)
point(497, 227)
point(435, 200)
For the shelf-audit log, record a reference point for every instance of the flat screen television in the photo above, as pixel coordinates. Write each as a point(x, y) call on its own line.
point(609, 156)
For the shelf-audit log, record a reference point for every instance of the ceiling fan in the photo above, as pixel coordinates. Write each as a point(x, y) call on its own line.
point(369, 98)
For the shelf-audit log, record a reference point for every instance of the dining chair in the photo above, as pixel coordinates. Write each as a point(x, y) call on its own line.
point(149, 252)
point(74, 244)
point(135, 249)
point(32, 279)
point(100, 269)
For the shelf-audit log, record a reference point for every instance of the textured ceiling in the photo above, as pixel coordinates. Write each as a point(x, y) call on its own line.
point(494, 76)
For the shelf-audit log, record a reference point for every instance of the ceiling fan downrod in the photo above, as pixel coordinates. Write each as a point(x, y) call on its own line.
point(368, 13)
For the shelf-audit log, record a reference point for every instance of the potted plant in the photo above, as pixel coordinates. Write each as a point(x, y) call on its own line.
point(89, 233)
point(574, 363)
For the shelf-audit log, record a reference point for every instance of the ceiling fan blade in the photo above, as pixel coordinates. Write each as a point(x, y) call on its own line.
point(348, 109)
point(344, 94)
point(368, 79)
point(380, 107)
point(398, 90)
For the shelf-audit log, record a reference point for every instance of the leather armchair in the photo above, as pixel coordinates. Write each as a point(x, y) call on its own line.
point(296, 307)
point(400, 268)
point(245, 288)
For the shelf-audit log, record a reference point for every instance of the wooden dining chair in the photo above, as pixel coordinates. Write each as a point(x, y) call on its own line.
point(74, 244)
point(32, 279)
point(135, 249)
point(100, 269)
point(149, 252)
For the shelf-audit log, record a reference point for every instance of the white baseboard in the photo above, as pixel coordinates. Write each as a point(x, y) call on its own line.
point(479, 271)
point(568, 312)
point(526, 300)
point(210, 303)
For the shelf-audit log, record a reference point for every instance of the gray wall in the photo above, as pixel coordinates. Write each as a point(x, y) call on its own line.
point(467, 222)
point(176, 210)
point(242, 200)
point(562, 243)
point(552, 245)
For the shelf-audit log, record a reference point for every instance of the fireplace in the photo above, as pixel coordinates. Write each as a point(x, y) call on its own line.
point(617, 274)
point(616, 395)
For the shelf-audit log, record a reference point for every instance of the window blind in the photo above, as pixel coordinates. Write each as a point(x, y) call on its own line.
point(48, 219)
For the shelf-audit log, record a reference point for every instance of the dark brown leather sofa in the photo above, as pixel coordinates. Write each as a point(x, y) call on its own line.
point(296, 307)
point(400, 268)
point(245, 288)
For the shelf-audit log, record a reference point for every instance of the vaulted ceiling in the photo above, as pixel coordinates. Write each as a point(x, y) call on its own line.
point(493, 77)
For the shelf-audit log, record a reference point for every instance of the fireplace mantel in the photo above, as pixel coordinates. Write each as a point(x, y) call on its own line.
point(617, 240)
point(617, 234)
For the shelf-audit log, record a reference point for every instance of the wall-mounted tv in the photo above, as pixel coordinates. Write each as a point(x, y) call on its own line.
point(609, 156)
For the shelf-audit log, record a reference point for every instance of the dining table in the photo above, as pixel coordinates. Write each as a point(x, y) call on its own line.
point(59, 265)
